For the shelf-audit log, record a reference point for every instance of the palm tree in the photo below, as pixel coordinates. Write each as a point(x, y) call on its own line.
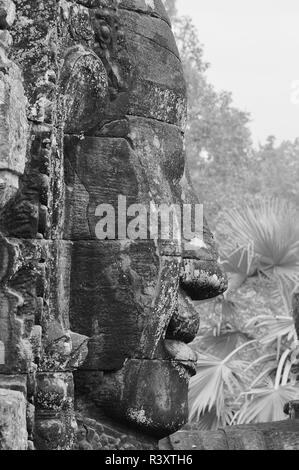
point(263, 240)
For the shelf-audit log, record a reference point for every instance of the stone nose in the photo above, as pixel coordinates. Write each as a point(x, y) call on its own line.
point(202, 276)
point(202, 279)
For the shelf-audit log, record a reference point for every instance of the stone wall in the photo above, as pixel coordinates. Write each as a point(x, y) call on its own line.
point(283, 435)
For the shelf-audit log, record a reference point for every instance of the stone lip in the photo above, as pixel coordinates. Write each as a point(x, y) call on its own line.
point(182, 354)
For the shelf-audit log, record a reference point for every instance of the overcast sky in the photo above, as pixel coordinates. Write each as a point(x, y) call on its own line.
point(253, 49)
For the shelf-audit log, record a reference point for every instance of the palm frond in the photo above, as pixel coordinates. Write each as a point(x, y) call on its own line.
point(216, 380)
point(282, 368)
point(209, 421)
point(273, 228)
point(209, 387)
point(267, 396)
point(278, 327)
point(285, 290)
point(266, 404)
point(221, 345)
point(262, 361)
point(240, 260)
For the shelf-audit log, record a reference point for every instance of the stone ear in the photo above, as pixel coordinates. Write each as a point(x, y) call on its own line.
point(84, 91)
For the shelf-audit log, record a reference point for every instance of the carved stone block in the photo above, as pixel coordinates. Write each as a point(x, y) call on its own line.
point(13, 434)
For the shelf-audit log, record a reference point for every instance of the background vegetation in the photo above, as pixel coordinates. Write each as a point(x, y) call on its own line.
point(247, 345)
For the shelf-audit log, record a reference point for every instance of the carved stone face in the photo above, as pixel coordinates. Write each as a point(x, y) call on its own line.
point(125, 101)
point(99, 115)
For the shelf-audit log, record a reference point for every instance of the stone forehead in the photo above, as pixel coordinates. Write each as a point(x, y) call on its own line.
point(151, 7)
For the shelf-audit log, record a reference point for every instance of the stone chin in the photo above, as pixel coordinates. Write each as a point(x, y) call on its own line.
point(148, 396)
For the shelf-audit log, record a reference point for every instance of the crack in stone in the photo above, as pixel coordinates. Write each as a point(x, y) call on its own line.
point(84, 186)
point(156, 43)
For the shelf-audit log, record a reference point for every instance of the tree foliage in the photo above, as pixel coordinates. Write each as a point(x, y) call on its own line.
point(218, 141)
point(224, 164)
point(262, 243)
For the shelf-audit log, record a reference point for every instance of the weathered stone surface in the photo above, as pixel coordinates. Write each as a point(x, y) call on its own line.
point(144, 394)
point(56, 322)
point(30, 421)
point(13, 120)
point(64, 351)
point(35, 50)
point(84, 83)
point(97, 170)
point(292, 409)
point(159, 149)
point(55, 425)
point(179, 351)
point(54, 392)
point(157, 83)
point(203, 279)
point(7, 13)
point(93, 435)
point(114, 308)
point(271, 436)
point(2, 353)
point(18, 383)
point(55, 434)
point(152, 8)
point(185, 322)
point(27, 214)
point(149, 28)
point(13, 435)
point(34, 297)
point(148, 7)
point(30, 270)
point(18, 357)
point(195, 441)
point(164, 304)
point(141, 58)
point(105, 118)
